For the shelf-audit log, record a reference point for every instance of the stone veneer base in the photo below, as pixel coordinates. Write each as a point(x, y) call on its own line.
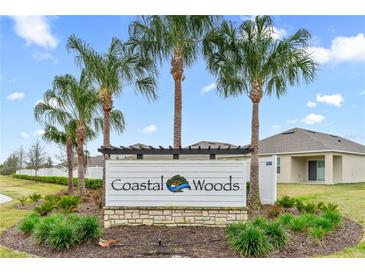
point(216, 217)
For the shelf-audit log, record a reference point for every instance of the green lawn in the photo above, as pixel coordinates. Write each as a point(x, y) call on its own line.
point(9, 215)
point(349, 197)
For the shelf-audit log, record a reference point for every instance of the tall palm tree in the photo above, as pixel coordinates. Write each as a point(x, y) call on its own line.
point(67, 138)
point(113, 71)
point(173, 38)
point(249, 59)
point(74, 103)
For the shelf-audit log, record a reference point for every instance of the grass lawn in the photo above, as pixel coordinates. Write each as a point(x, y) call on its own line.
point(349, 197)
point(9, 215)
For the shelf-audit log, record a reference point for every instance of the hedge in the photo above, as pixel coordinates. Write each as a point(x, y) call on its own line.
point(89, 183)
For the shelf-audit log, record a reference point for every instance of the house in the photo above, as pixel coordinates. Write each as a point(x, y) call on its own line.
point(315, 157)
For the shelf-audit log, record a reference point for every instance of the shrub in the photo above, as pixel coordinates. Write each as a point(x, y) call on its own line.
point(249, 241)
point(299, 223)
point(69, 204)
point(44, 208)
point(274, 211)
point(330, 207)
point(320, 205)
point(62, 235)
point(286, 202)
point(333, 216)
point(259, 221)
point(88, 228)
point(323, 223)
point(23, 200)
point(317, 232)
point(28, 223)
point(276, 234)
point(42, 229)
point(310, 208)
point(286, 218)
point(89, 183)
point(35, 197)
point(299, 205)
point(52, 199)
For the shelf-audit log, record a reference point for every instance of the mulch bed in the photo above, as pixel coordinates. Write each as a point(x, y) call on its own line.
point(143, 241)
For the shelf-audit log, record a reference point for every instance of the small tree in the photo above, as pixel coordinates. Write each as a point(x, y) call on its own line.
point(10, 164)
point(36, 157)
point(21, 158)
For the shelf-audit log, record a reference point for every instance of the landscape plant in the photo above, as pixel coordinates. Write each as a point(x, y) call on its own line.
point(28, 223)
point(286, 202)
point(68, 204)
point(251, 59)
point(35, 197)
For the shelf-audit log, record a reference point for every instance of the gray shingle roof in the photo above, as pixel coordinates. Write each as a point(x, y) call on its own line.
point(300, 140)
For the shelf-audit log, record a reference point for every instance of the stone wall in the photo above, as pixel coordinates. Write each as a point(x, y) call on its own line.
point(219, 217)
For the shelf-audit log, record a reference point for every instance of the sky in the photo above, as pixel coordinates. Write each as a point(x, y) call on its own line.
point(33, 51)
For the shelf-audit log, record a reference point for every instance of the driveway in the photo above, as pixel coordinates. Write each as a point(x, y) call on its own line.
point(4, 199)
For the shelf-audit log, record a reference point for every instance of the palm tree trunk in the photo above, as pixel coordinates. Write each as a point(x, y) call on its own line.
point(106, 128)
point(80, 135)
point(177, 71)
point(69, 165)
point(254, 192)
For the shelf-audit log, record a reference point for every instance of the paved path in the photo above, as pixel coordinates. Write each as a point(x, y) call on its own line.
point(4, 199)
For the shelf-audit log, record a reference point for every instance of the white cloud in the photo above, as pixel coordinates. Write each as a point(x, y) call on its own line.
point(362, 92)
point(276, 126)
point(292, 121)
point(15, 96)
point(35, 30)
point(311, 104)
point(313, 118)
point(44, 56)
point(334, 99)
point(208, 88)
point(39, 132)
point(150, 129)
point(342, 49)
point(279, 33)
point(24, 135)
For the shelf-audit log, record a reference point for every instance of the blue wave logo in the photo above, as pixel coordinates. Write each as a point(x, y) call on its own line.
point(177, 184)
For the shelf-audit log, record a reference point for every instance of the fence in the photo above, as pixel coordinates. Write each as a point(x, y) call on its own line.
point(91, 172)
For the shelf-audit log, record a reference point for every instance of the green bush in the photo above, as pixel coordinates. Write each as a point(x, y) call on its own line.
point(259, 221)
point(28, 223)
point(35, 197)
point(323, 223)
point(330, 207)
point(249, 240)
point(88, 228)
point(68, 203)
point(310, 208)
point(44, 208)
point(286, 202)
point(317, 232)
point(52, 199)
point(299, 205)
point(23, 200)
point(89, 183)
point(299, 223)
point(286, 218)
point(334, 216)
point(276, 234)
point(42, 229)
point(62, 235)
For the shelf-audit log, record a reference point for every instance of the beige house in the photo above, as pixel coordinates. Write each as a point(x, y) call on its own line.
point(315, 157)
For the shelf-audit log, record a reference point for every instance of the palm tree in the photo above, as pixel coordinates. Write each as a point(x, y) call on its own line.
point(173, 38)
point(67, 138)
point(74, 103)
point(118, 68)
point(249, 59)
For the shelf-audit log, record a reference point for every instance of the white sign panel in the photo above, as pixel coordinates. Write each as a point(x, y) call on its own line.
point(214, 183)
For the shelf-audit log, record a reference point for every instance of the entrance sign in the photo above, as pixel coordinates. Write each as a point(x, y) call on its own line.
point(175, 183)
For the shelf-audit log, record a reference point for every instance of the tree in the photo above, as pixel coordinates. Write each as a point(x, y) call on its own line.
point(173, 38)
point(249, 59)
point(48, 163)
point(21, 156)
point(74, 104)
point(36, 157)
point(10, 165)
point(112, 72)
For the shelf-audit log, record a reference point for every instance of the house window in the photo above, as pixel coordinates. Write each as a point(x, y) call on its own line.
point(316, 170)
point(278, 166)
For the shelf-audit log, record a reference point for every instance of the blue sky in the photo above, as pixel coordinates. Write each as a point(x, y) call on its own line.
point(33, 52)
